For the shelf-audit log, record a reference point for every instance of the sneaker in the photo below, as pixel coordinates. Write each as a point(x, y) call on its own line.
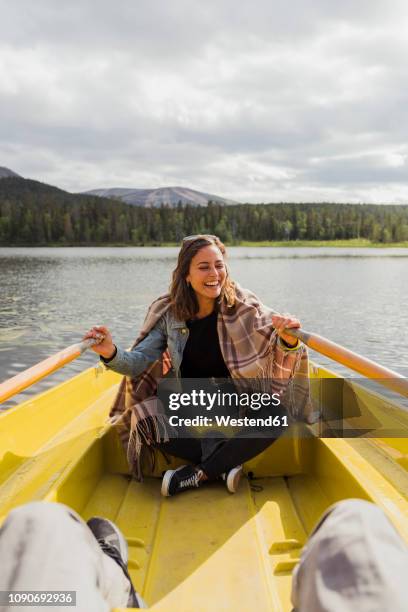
point(232, 478)
point(113, 543)
point(184, 477)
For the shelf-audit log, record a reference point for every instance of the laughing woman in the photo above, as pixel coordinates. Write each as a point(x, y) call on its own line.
point(206, 327)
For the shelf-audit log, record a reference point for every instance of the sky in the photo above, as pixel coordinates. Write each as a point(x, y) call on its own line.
point(263, 101)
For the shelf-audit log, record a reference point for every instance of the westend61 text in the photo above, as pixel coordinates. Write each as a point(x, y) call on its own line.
point(227, 421)
point(206, 400)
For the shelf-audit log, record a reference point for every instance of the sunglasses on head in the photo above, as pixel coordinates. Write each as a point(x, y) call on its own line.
point(195, 236)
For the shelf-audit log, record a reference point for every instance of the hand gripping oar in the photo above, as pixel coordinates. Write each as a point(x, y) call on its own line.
point(21, 381)
point(370, 369)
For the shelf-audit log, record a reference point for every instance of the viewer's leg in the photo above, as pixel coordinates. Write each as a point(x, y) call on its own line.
point(353, 560)
point(47, 546)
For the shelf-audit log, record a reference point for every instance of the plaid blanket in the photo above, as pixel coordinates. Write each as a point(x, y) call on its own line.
point(251, 350)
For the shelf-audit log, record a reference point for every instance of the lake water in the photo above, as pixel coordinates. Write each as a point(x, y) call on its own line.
point(49, 297)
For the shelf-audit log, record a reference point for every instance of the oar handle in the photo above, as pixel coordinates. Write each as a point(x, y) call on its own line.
point(370, 369)
point(40, 370)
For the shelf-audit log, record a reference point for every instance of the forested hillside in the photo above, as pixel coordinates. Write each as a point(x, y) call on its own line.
point(36, 214)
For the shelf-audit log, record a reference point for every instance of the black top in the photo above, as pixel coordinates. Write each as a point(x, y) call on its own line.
point(202, 357)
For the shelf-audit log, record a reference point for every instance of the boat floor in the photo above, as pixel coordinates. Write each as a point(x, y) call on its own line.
point(207, 549)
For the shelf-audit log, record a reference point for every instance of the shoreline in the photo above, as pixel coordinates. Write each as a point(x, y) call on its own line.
point(352, 243)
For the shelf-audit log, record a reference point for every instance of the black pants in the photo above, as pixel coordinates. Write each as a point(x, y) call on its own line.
point(215, 455)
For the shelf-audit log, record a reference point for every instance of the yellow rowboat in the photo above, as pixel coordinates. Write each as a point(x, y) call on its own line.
point(206, 549)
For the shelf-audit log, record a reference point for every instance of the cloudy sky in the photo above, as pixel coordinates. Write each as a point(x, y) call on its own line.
point(301, 100)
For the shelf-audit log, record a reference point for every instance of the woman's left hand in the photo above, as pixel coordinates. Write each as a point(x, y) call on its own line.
point(285, 321)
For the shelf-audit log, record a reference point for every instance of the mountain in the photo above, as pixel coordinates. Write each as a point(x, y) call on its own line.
point(15, 186)
point(164, 195)
point(6, 173)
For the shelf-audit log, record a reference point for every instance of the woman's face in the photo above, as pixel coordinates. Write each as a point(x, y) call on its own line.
point(207, 272)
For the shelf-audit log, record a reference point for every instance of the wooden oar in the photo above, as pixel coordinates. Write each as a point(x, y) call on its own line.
point(370, 369)
point(386, 377)
point(21, 381)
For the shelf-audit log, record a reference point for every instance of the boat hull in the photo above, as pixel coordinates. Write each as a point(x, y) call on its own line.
point(205, 549)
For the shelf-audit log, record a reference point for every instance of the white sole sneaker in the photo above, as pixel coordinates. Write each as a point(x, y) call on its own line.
point(232, 479)
point(166, 480)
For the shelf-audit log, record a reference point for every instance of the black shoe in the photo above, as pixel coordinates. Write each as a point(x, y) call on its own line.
point(113, 543)
point(185, 477)
point(232, 478)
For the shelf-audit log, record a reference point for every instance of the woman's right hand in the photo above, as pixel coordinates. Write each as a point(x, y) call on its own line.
point(105, 346)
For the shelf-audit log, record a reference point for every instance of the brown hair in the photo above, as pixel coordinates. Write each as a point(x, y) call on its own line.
point(184, 303)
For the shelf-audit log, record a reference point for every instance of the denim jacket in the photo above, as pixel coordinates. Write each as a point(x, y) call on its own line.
point(167, 333)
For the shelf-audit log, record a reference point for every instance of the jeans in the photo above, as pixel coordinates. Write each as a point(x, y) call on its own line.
point(217, 455)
